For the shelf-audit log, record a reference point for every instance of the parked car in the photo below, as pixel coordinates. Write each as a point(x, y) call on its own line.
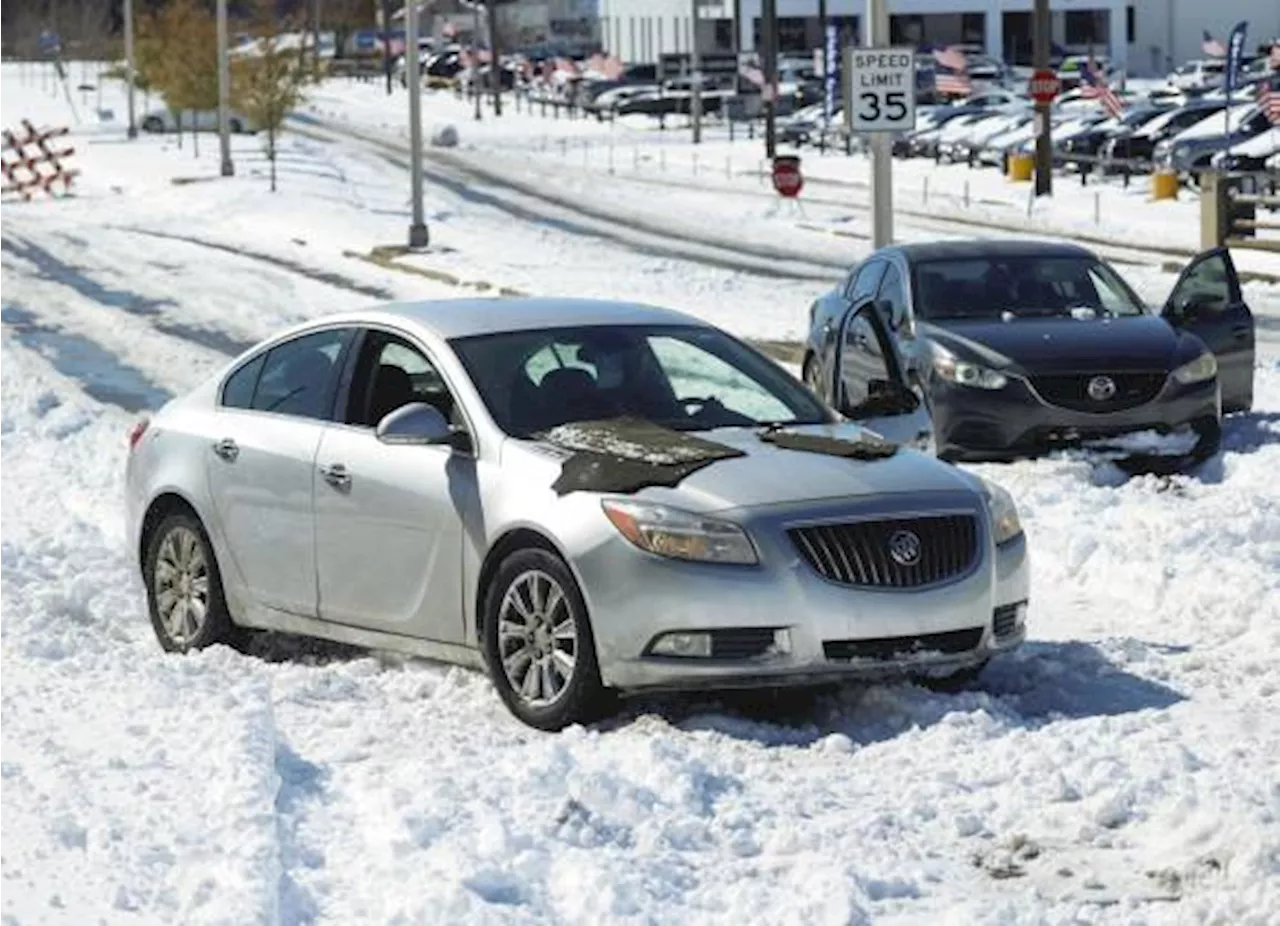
point(1016, 347)
point(1199, 75)
point(162, 120)
point(1140, 143)
point(1073, 66)
point(1091, 141)
point(574, 496)
point(1190, 150)
point(1251, 155)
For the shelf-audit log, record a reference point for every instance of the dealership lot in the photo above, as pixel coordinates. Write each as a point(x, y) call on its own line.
point(1130, 743)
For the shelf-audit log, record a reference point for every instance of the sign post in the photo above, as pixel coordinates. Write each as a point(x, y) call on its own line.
point(1041, 32)
point(880, 99)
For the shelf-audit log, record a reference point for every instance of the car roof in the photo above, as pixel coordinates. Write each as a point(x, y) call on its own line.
point(459, 318)
point(991, 247)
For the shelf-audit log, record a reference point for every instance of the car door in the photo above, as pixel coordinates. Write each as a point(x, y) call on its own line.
point(860, 286)
point(1207, 302)
point(389, 518)
point(872, 386)
point(272, 411)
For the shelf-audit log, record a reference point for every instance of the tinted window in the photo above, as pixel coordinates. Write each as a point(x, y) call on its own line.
point(893, 292)
point(682, 377)
point(866, 282)
point(1019, 287)
point(1207, 284)
point(237, 391)
point(299, 375)
point(390, 373)
point(864, 371)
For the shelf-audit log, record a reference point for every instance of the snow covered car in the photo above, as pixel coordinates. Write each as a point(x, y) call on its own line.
point(578, 496)
point(162, 120)
point(1020, 346)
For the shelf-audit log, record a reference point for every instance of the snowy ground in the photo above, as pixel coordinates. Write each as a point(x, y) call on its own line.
point(1121, 769)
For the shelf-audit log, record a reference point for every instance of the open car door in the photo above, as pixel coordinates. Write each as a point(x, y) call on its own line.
point(870, 385)
point(1206, 301)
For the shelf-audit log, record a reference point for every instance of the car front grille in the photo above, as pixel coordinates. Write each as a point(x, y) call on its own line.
point(1072, 390)
point(861, 553)
point(889, 648)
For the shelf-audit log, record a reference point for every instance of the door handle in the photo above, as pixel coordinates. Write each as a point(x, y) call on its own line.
point(227, 449)
point(336, 475)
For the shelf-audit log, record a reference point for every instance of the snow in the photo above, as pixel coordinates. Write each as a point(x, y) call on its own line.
point(1120, 769)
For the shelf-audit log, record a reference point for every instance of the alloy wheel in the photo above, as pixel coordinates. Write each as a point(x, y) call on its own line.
point(537, 638)
point(181, 586)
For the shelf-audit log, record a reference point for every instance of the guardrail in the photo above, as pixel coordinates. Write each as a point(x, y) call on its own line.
point(1229, 205)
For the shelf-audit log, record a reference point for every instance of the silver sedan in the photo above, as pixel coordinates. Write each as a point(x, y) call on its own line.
point(578, 497)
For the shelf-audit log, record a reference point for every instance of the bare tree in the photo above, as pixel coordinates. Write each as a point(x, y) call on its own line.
point(268, 77)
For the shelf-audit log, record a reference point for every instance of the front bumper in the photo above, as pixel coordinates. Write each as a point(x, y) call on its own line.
point(634, 598)
point(1016, 420)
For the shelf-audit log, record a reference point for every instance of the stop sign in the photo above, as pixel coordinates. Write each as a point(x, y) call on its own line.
point(1044, 86)
point(786, 175)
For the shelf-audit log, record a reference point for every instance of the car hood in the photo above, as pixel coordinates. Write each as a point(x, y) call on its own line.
point(1061, 345)
point(770, 475)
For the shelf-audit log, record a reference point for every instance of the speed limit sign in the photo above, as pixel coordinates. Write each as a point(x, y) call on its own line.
point(880, 89)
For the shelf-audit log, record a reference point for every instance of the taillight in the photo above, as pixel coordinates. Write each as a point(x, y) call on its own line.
point(135, 433)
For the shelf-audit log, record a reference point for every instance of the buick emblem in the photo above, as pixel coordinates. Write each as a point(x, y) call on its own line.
point(1101, 388)
point(904, 548)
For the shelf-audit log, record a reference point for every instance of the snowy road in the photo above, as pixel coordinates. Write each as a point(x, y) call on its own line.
point(1120, 770)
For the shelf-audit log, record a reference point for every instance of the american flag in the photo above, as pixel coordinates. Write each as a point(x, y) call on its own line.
point(1097, 88)
point(951, 76)
point(1212, 47)
point(1269, 99)
point(752, 74)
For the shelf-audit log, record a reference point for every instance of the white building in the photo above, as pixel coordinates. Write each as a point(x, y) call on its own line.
point(1146, 37)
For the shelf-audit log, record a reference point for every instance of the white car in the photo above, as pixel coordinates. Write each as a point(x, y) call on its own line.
point(1198, 75)
point(162, 120)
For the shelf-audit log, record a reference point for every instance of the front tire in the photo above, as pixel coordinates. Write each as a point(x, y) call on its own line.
point(184, 588)
point(538, 643)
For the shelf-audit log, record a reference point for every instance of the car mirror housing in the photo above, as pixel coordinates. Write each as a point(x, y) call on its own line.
point(415, 423)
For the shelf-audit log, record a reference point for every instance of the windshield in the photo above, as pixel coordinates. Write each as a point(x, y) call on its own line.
point(1009, 288)
point(683, 377)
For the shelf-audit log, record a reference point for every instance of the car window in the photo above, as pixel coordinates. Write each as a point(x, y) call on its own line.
point(1207, 283)
point(866, 282)
point(893, 291)
point(864, 369)
point(298, 376)
point(391, 372)
point(678, 376)
point(237, 391)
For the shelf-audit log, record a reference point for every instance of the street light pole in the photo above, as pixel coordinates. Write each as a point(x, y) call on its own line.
point(224, 93)
point(769, 33)
point(413, 77)
point(881, 143)
point(130, 67)
point(695, 68)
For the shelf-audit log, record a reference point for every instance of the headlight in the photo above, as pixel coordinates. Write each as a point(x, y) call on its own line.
point(1197, 371)
point(680, 534)
point(963, 373)
point(1004, 513)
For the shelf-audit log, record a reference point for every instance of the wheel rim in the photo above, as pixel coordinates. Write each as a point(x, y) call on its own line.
point(181, 585)
point(537, 639)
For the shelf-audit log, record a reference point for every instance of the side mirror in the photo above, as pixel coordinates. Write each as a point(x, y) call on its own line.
point(415, 423)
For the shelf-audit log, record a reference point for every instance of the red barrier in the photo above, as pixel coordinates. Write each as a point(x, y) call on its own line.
point(29, 164)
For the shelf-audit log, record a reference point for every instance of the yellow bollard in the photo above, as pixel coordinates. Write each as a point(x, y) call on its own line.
point(1164, 185)
point(1021, 167)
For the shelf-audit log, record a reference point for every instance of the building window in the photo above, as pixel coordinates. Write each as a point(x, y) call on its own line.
point(973, 30)
point(1130, 25)
point(1086, 27)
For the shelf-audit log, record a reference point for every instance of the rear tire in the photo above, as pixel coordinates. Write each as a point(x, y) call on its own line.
point(184, 588)
point(538, 644)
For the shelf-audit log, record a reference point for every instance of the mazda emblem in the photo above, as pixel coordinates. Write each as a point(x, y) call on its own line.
point(1101, 388)
point(904, 548)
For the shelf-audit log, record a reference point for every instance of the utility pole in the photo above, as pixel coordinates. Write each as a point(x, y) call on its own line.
point(413, 77)
point(881, 142)
point(495, 70)
point(827, 63)
point(769, 35)
point(315, 37)
point(131, 66)
point(224, 93)
point(474, 82)
point(1041, 26)
point(695, 76)
point(386, 44)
